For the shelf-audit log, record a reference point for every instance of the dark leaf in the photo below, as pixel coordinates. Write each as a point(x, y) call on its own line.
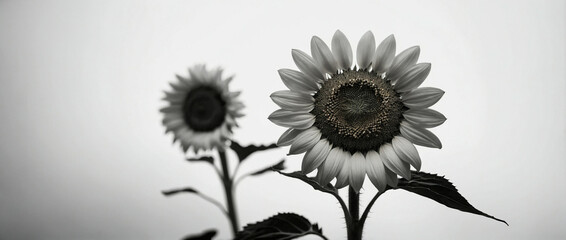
point(440, 190)
point(207, 159)
point(244, 152)
point(311, 181)
point(276, 167)
point(279, 227)
point(180, 190)
point(208, 235)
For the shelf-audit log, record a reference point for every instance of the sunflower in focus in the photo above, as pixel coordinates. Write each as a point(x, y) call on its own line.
point(354, 120)
point(201, 110)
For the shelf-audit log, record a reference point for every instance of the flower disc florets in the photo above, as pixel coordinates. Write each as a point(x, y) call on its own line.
point(204, 109)
point(357, 110)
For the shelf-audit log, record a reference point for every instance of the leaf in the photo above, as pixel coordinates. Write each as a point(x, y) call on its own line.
point(207, 235)
point(276, 167)
point(279, 227)
point(207, 159)
point(244, 152)
point(440, 190)
point(180, 190)
point(311, 181)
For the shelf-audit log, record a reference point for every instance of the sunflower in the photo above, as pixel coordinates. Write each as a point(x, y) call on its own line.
point(201, 111)
point(359, 120)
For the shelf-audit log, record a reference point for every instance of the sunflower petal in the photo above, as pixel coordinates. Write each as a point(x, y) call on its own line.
point(384, 54)
point(413, 78)
point(305, 141)
point(343, 175)
point(402, 62)
point(406, 151)
point(330, 168)
point(426, 118)
point(298, 81)
point(366, 50)
point(392, 179)
point(357, 171)
point(297, 120)
point(342, 50)
point(422, 97)
point(288, 137)
point(323, 56)
point(293, 101)
point(315, 156)
point(419, 136)
point(375, 170)
point(174, 125)
point(306, 64)
point(393, 162)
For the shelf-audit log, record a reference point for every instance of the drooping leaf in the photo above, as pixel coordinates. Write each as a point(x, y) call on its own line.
point(244, 152)
point(207, 235)
point(311, 181)
point(279, 227)
point(276, 167)
point(207, 159)
point(440, 190)
point(179, 190)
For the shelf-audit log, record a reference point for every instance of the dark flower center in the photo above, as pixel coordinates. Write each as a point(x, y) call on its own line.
point(358, 111)
point(204, 109)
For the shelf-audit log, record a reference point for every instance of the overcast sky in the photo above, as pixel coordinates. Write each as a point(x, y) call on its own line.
point(83, 154)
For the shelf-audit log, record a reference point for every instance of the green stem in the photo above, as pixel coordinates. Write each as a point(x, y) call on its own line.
point(228, 188)
point(354, 229)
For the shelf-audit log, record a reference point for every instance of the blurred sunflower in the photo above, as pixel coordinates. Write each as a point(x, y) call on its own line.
point(353, 121)
point(201, 111)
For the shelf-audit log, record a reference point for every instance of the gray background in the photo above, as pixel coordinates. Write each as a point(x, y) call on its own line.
point(83, 154)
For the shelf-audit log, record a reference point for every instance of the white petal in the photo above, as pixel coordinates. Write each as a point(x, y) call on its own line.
point(323, 56)
point(305, 141)
point(419, 136)
point(175, 97)
point(298, 81)
point(315, 156)
point(384, 54)
point(180, 85)
point(426, 118)
point(422, 97)
point(174, 125)
point(288, 137)
point(366, 50)
point(199, 73)
point(413, 78)
point(294, 101)
point(171, 108)
point(297, 120)
point(392, 161)
point(343, 175)
point(406, 151)
point(342, 50)
point(376, 170)
point(357, 171)
point(306, 64)
point(392, 179)
point(173, 116)
point(330, 168)
point(402, 62)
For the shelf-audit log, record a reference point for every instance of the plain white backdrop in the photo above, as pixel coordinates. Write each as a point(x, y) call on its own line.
point(83, 154)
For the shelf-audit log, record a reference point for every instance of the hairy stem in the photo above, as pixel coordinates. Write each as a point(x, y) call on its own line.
point(368, 208)
point(355, 229)
point(228, 188)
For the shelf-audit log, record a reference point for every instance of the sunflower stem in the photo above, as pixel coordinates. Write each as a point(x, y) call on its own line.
point(354, 228)
point(228, 188)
